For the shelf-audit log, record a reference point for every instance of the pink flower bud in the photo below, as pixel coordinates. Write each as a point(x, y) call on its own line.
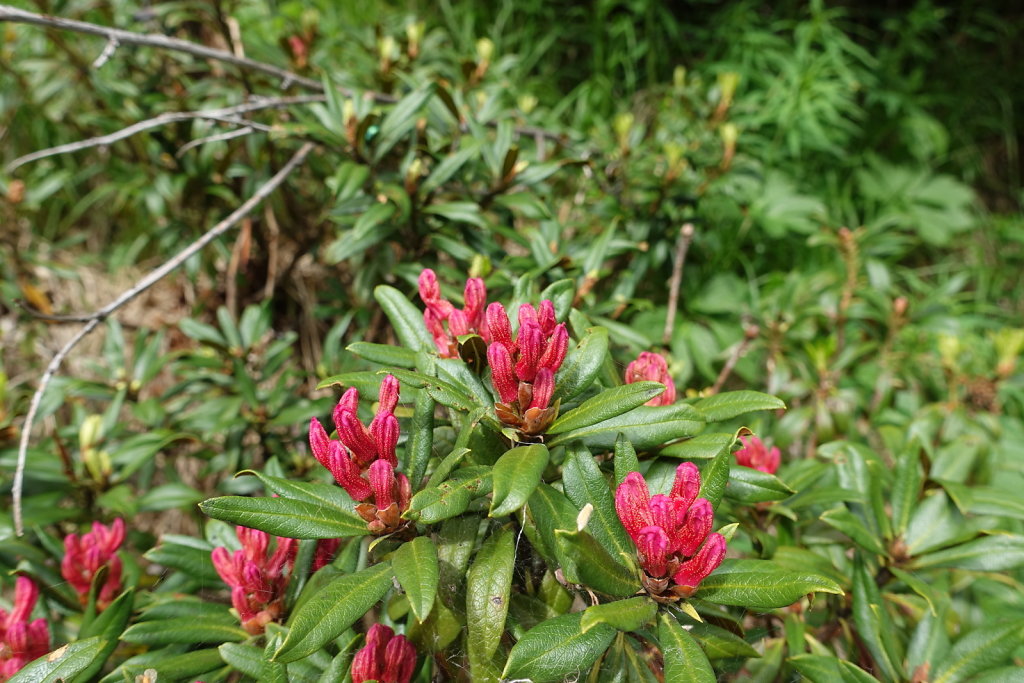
point(326, 548)
point(388, 397)
point(349, 403)
point(383, 483)
point(652, 544)
point(531, 345)
point(687, 484)
point(385, 431)
point(697, 568)
point(346, 473)
point(502, 375)
point(756, 455)
point(663, 513)
point(695, 528)
point(386, 658)
point(356, 438)
point(499, 327)
point(399, 660)
point(546, 316)
point(543, 388)
point(318, 441)
point(458, 325)
point(527, 315)
point(632, 503)
point(475, 302)
point(430, 293)
point(652, 367)
point(558, 345)
point(435, 326)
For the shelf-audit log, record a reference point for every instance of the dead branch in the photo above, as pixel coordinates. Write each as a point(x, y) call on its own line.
point(682, 247)
point(139, 287)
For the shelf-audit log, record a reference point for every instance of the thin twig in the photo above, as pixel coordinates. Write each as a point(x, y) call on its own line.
point(163, 120)
point(682, 247)
point(139, 287)
point(8, 13)
point(108, 51)
point(220, 137)
point(750, 333)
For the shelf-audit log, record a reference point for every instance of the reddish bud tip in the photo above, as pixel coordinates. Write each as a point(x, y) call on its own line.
point(632, 503)
point(543, 388)
point(697, 568)
point(502, 374)
point(499, 327)
point(558, 345)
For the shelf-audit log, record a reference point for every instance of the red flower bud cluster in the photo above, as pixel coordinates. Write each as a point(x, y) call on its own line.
point(21, 640)
point(386, 658)
point(652, 367)
point(84, 556)
point(363, 459)
point(257, 577)
point(468, 320)
point(523, 368)
point(672, 533)
point(756, 455)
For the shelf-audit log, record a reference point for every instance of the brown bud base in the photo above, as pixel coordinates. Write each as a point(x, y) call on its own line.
point(661, 591)
point(382, 522)
point(256, 625)
point(530, 422)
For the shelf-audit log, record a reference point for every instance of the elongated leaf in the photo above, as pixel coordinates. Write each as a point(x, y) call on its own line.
point(584, 483)
point(384, 354)
point(556, 649)
point(845, 521)
point(458, 374)
point(331, 610)
point(624, 615)
point(906, 488)
point(405, 318)
point(316, 494)
point(246, 659)
point(872, 627)
point(488, 587)
point(721, 407)
point(421, 439)
point(715, 478)
point(175, 667)
point(516, 475)
point(719, 643)
point(625, 459)
point(985, 500)
point(685, 662)
point(583, 366)
point(550, 510)
point(64, 663)
point(750, 486)
point(646, 427)
point(183, 630)
point(452, 497)
point(285, 517)
point(979, 650)
point(995, 553)
point(415, 565)
point(608, 404)
point(700, 447)
point(401, 119)
point(586, 561)
point(762, 585)
point(822, 668)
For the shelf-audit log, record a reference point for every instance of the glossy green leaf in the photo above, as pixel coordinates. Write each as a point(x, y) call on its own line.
point(824, 669)
point(608, 404)
point(183, 630)
point(848, 523)
point(586, 561)
point(700, 447)
point(488, 587)
point(762, 585)
point(286, 517)
point(985, 500)
point(623, 615)
point(561, 294)
point(515, 476)
point(331, 610)
point(246, 659)
point(172, 666)
point(996, 553)
point(550, 510)
point(625, 459)
point(452, 497)
point(556, 649)
point(645, 427)
point(584, 483)
point(583, 365)
point(719, 643)
point(421, 439)
point(721, 407)
point(980, 649)
point(384, 354)
point(64, 663)
point(415, 565)
point(685, 662)
point(873, 627)
point(326, 495)
point(749, 486)
point(405, 318)
point(715, 477)
point(401, 119)
point(919, 586)
point(906, 488)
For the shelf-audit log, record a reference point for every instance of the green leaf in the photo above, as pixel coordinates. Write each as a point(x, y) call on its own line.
point(824, 669)
point(488, 587)
point(515, 476)
point(583, 365)
point(421, 439)
point(459, 212)
point(646, 427)
point(285, 517)
point(550, 510)
point(331, 610)
point(750, 486)
point(586, 561)
point(400, 121)
point(608, 404)
point(850, 524)
point(721, 407)
point(625, 459)
point(246, 659)
point(415, 565)
point(316, 494)
point(623, 615)
point(584, 483)
point(175, 667)
point(447, 167)
point(715, 478)
point(719, 643)
point(906, 488)
point(980, 649)
point(985, 500)
point(384, 354)
point(184, 630)
point(561, 294)
point(685, 662)
point(700, 447)
point(405, 318)
point(64, 663)
point(556, 648)
point(919, 586)
point(452, 497)
point(996, 553)
point(873, 628)
point(762, 585)
point(169, 497)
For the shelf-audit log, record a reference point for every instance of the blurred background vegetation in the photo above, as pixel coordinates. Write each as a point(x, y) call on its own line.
point(851, 173)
